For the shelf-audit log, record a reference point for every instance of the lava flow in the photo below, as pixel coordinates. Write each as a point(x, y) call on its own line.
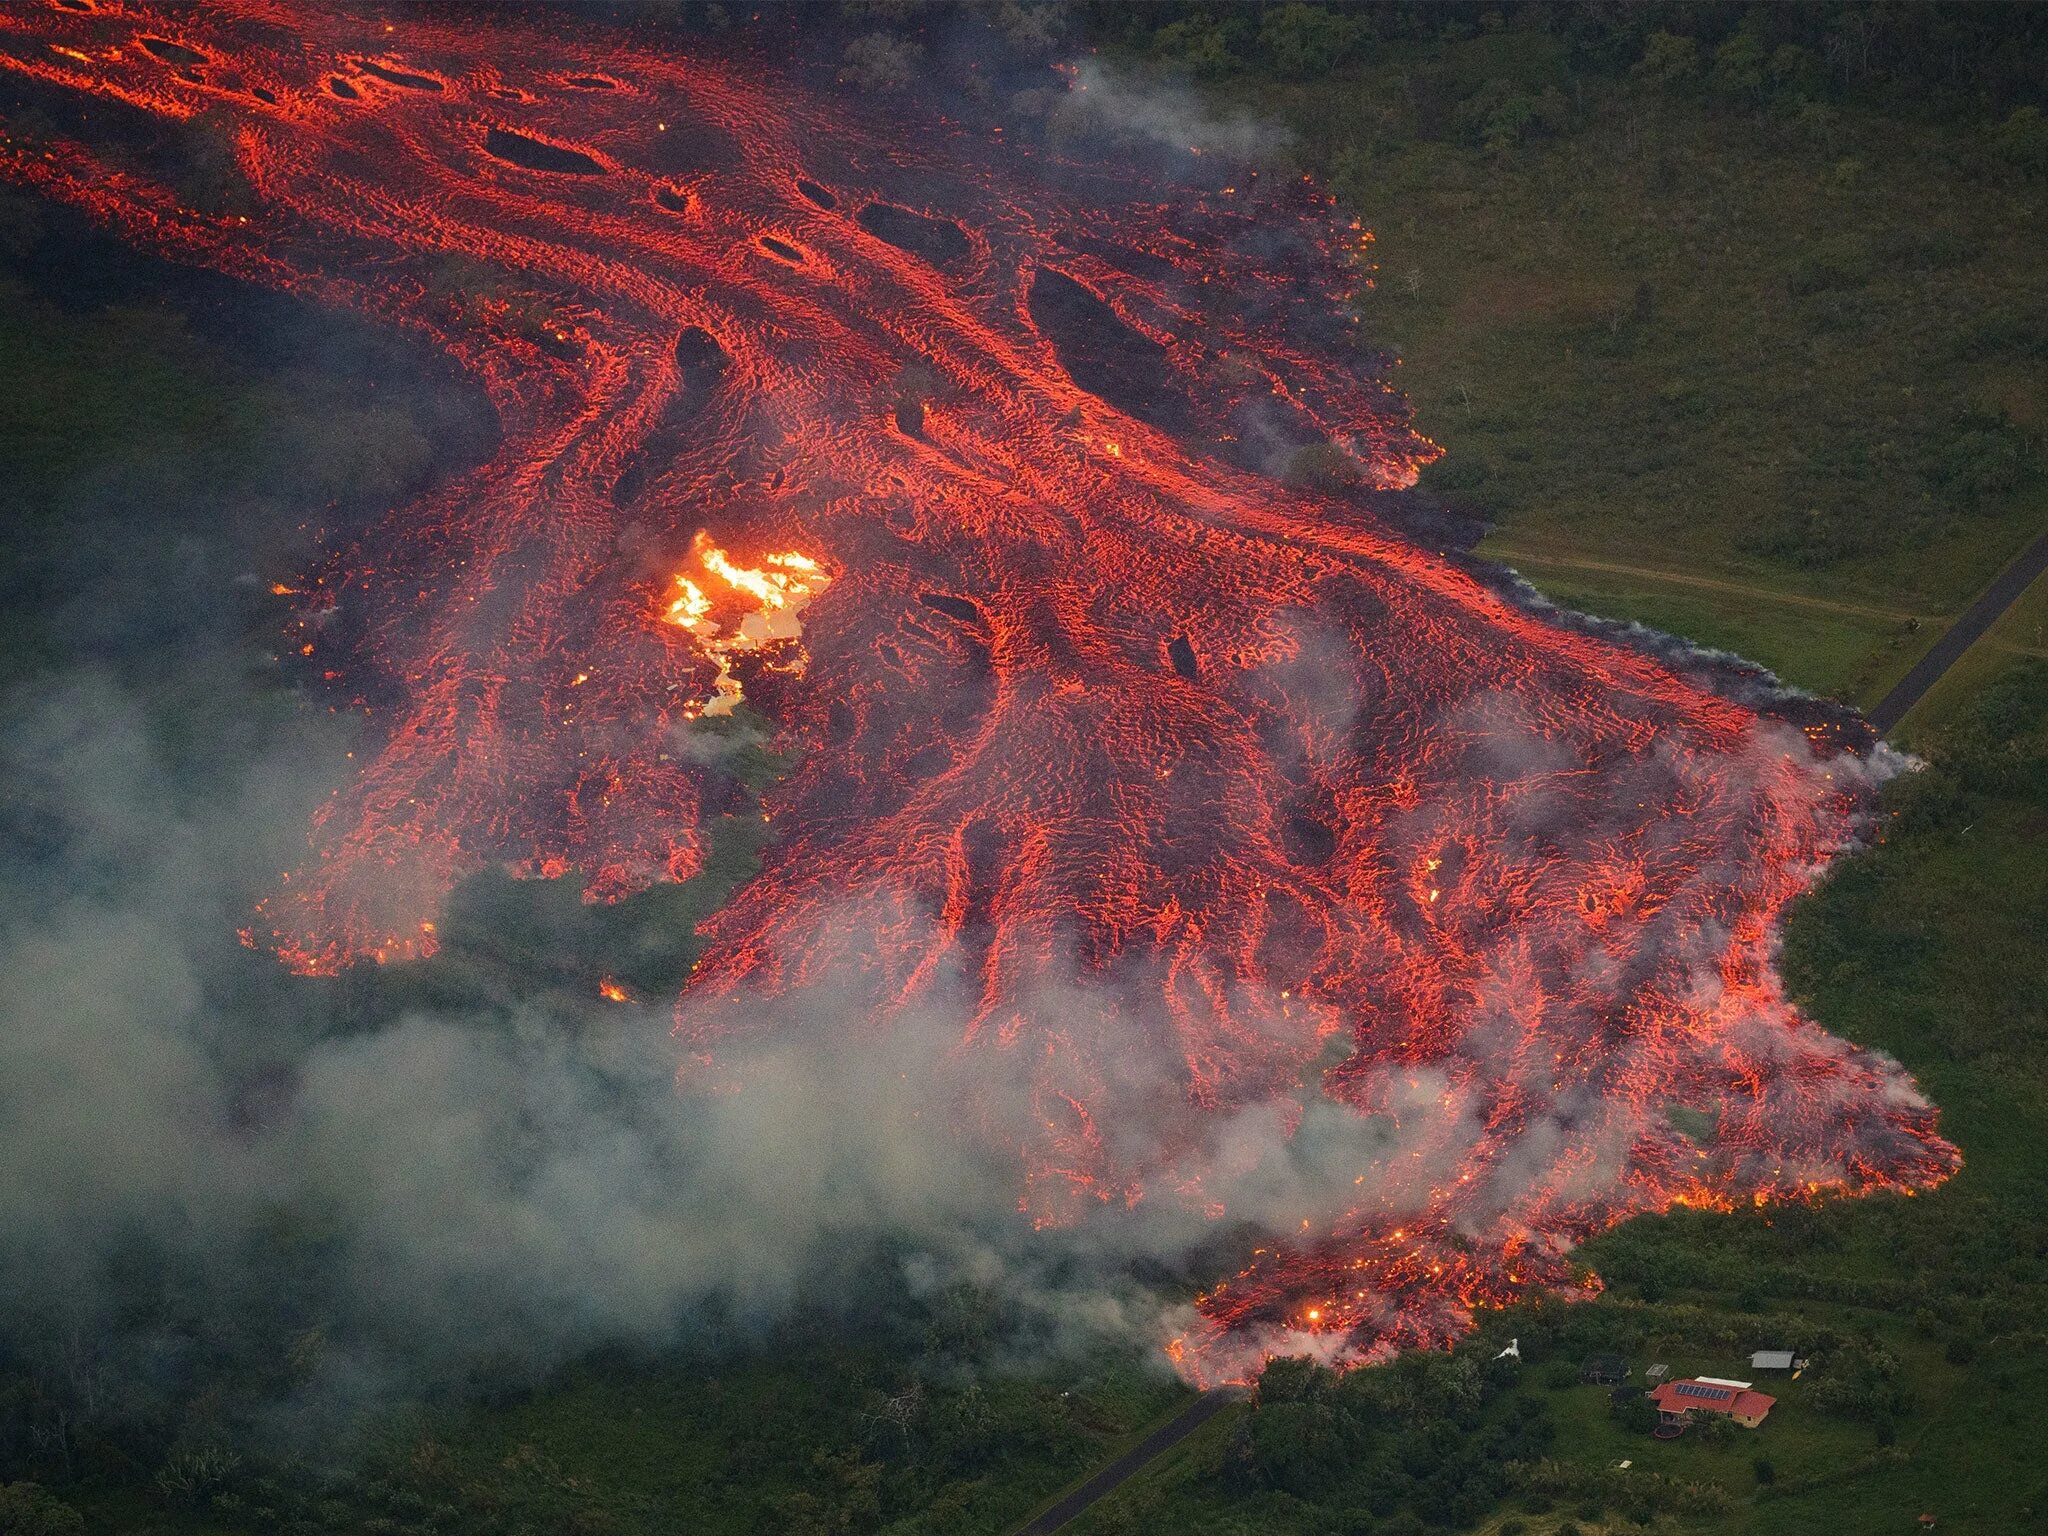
point(1200, 811)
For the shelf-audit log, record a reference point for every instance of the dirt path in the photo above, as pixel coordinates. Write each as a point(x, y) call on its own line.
point(1118, 1472)
point(1519, 558)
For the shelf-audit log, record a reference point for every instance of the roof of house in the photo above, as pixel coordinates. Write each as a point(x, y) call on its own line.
point(1771, 1360)
point(1715, 1396)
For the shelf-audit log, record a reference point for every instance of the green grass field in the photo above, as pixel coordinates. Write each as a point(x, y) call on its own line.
point(1717, 368)
point(1797, 352)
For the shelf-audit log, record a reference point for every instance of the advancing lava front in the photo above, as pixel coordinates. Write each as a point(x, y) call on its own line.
point(1181, 799)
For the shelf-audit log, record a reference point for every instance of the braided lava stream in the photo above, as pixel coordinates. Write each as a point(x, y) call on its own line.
point(1193, 804)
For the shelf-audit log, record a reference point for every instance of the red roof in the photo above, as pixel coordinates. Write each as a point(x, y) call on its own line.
point(1738, 1402)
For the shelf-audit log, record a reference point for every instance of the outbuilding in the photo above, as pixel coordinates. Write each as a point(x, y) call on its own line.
point(1604, 1370)
point(1771, 1360)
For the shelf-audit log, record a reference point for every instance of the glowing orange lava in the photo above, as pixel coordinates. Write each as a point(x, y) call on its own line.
point(1199, 813)
point(771, 600)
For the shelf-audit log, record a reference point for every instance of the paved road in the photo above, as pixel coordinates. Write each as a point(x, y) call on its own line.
point(1113, 1476)
point(2003, 592)
point(1968, 628)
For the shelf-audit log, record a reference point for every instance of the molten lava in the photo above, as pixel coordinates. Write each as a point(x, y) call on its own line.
point(773, 598)
point(1200, 812)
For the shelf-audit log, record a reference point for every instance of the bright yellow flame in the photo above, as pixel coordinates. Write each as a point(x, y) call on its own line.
point(691, 606)
point(770, 597)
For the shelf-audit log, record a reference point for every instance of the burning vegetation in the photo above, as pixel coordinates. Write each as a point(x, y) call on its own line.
point(1218, 819)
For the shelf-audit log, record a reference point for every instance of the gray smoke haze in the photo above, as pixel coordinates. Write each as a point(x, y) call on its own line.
point(1106, 101)
point(520, 1176)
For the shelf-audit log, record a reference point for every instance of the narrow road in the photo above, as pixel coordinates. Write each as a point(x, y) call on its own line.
point(2003, 592)
point(1113, 1476)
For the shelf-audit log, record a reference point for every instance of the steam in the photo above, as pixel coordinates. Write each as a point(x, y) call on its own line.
point(522, 1178)
point(1159, 114)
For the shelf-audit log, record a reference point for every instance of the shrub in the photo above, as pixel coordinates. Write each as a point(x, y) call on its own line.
point(2021, 140)
point(29, 1509)
point(1981, 464)
point(1455, 472)
point(1300, 41)
point(1668, 59)
point(879, 62)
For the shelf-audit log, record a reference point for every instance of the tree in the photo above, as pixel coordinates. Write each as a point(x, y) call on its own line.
point(1668, 59)
point(879, 62)
point(1739, 66)
point(29, 1509)
point(1636, 1414)
point(1300, 41)
point(1294, 1447)
point(1203, 45)
point(1293, 1379)
point(2022, 140)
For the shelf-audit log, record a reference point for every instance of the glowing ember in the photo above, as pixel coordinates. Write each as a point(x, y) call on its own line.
point(1204, 814)
point(771, 599)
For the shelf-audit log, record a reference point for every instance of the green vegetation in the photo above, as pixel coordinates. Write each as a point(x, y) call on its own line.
point(1926, 1318)
point(1751, 350)
point(147, 460)
point(1724, 338)
point(848, 1425)
point(1713, 308)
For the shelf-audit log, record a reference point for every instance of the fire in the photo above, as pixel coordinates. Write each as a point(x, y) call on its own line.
point(612, 992)
point(768, 600)
point(1181, 794)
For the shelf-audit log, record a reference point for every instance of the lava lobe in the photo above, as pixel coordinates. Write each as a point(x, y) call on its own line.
point(1218, 829)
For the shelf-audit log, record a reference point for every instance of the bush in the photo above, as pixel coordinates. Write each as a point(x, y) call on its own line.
point(1668, 59)
point(879, 62)
point(2021, 140)
point(1766, 1473)
point(1981, 464)
point(29, 1509)
point(1455, 472)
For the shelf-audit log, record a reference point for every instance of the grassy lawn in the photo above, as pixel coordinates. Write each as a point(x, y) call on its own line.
point(1854, 655)
point(1703, 337)
point(2021, 632)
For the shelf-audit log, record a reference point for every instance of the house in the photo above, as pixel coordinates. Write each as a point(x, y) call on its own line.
point(1678, 1400)
point(1771, 1360)
point(1604, 1370)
